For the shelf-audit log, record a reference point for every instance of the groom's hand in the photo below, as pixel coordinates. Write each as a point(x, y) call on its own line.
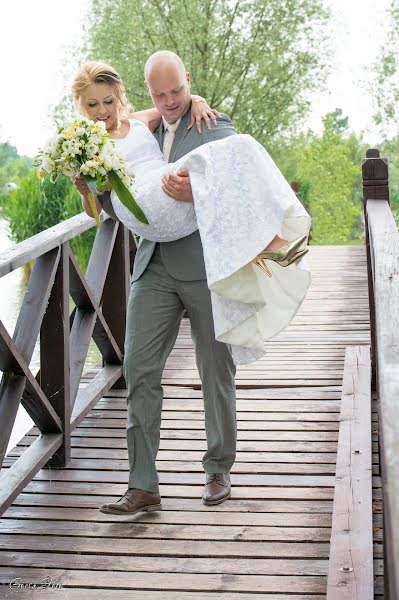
point(178, 186)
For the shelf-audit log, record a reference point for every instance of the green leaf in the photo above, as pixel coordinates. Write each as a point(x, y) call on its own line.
point(91, 183)
point(126, 197)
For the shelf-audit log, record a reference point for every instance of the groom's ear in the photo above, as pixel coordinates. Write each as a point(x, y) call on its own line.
point(188, 78)
point(146, 85)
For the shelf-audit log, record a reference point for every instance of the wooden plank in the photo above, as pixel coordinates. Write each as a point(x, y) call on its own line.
point(118, 277)
point(69, 593)
point(181, 505)
point(238, 480)
point(84, 321)
point(16, 478)
point(175, 581)
point(54, 374)
point(85, 301)
point(350, 573)
point(35, 302)
point(66, 513)
point(160, 540)
point(11, 388)
point(34, 401)
point(30, 249)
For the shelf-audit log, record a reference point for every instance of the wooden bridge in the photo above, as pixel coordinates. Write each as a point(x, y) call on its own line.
point(305, 520)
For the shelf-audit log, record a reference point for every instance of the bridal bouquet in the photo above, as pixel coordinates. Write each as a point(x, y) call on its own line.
point(82, 147)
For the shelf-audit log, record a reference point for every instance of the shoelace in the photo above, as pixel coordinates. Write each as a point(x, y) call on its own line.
point(126, 495)
point(218, 477)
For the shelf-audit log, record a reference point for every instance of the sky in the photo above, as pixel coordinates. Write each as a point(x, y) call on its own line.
point(37, 37)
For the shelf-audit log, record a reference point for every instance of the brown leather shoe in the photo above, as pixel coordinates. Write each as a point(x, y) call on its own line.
point(217, 488)
point(132, 502)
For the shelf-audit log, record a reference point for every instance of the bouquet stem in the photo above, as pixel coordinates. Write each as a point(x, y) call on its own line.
point(93, 206)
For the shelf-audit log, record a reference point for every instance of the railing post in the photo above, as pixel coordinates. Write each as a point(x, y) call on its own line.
point(375, 187)
point(55, 359)
point(116, 290)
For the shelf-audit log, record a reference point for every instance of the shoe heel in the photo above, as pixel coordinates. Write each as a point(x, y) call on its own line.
point(152, 507)
point(263, 266)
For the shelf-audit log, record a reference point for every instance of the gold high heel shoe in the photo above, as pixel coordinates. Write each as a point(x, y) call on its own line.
point(284, 256)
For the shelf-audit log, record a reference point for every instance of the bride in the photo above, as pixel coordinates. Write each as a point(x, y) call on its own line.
point(244, 209)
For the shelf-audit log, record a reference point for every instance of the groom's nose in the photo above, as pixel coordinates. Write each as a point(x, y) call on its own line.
point(169, 101)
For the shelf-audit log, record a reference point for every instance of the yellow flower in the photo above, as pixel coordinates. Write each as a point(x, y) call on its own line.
point(41, 174)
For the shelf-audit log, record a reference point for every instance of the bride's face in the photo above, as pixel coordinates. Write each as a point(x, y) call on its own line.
point(100, 103)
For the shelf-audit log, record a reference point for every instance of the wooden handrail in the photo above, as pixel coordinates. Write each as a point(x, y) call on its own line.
point(51, 396)
point(382, 240)
point(43, 242)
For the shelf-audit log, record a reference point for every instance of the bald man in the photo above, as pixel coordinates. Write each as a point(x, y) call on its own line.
point(168, 279)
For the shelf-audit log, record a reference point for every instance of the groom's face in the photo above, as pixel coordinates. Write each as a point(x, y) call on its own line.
point(169, 89)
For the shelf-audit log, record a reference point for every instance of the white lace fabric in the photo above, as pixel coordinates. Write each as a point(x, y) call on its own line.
point(241, 201)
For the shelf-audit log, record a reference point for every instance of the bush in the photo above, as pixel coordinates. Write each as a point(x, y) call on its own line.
point(36, 206)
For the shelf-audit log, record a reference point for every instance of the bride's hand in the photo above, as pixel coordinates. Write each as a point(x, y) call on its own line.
point(83, 188)
point(200, 109)
point(81, 185)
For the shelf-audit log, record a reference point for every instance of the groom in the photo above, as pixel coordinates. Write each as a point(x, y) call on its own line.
point(168, 279)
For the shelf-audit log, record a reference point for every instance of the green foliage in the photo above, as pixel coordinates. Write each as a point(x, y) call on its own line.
point(12, 168)
point(390, 149)
point(36, 206)
point(328, 170)
point(257, 60)
point(384, 86)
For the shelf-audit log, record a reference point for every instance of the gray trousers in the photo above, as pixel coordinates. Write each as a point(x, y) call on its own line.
point(156, 305)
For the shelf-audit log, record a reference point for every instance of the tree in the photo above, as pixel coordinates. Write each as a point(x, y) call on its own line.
point(34, 207)
point(257, 60)
point(327, 167)
point(384, 88)
point(384, 85)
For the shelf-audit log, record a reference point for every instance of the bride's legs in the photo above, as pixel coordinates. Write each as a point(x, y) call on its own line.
point(276, 243)
point(282, 252)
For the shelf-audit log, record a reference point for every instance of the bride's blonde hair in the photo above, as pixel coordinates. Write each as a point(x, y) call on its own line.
point(100, 72)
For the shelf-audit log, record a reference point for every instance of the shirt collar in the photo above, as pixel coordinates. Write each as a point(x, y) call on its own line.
point(170, 126)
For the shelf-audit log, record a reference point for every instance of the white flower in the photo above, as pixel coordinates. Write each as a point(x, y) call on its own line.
point(67, 170)
point(91, 149)
point(89, 168)
point(48, 164)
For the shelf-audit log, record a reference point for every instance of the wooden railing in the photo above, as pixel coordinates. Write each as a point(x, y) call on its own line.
point(52, 396)
point(382, 242)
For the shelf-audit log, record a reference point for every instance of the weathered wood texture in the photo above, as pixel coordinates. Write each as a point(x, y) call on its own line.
point(271, 540)
point(384, 240)
point(43, 242)
point(49, 396)
point(350, 569)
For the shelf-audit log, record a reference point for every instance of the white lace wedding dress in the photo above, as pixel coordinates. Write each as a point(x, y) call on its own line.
point(241, 201)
